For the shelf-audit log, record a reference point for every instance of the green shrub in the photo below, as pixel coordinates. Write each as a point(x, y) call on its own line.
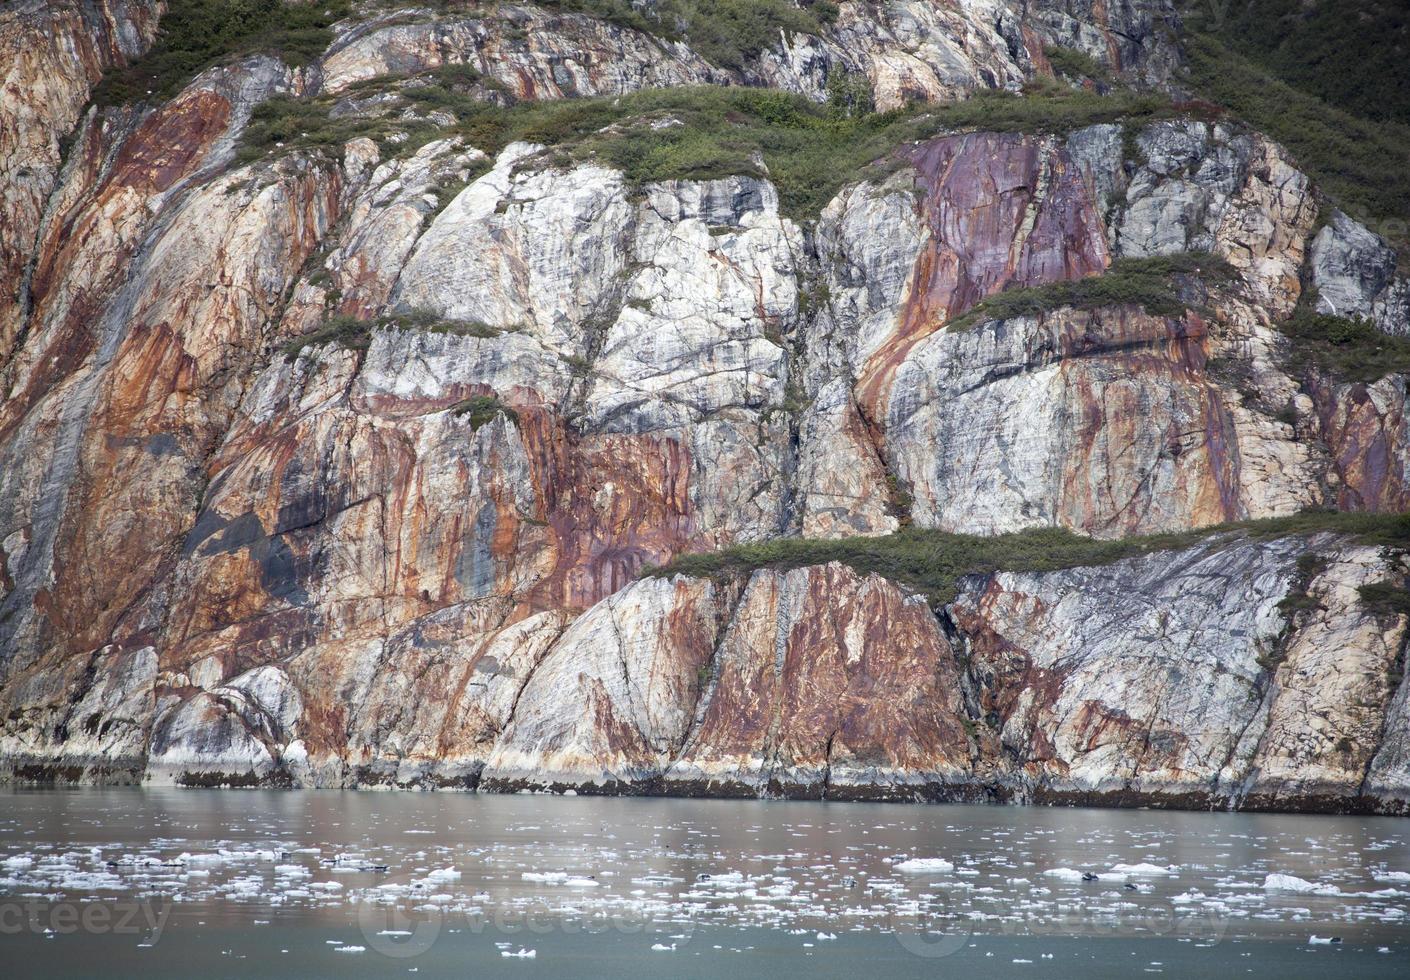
point(726, 33)
point(1075, 64)
point(1385, 598)
point(1309, 566)
point(933, 561)
point(1354, 54)
point(354, 333)
point(1345, 349)
point(427, 321)
point(482, 409)
point(1153, 283)
point(345, 331)
point(196, 34)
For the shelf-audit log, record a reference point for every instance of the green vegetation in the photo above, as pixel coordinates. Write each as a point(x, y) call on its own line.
point(294, 124)
point(1076, 65)
point(1309, 566)
point(426, 321)
point(482, 409)
point(933, 561)
point(353, 333)
point(1154, 284)
point(1354, 54)
point(1362, 164)
point(342, 330)
point(726, 33)
point(1383, 597)
point(809, 151)
point(196, 34)
point(1346, 349)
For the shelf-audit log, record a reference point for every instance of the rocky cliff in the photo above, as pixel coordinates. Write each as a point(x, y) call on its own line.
point(349, 406)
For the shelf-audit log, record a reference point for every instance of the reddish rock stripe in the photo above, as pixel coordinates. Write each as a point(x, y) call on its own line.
point(1003, 210)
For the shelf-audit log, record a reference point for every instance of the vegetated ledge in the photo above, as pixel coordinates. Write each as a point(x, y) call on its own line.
point(726, 33)
point(1344, 348)
point(933, 562)
point(355, 333)
point(1160, 285)
point(808, 151)
point(193, 35)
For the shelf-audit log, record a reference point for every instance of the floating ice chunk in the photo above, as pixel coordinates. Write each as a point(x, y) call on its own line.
point(728, 879)
point(522, 954)
point(18, 862)
point(925, 866)
point(444, 874)
point(1323, 940)
point(546, 877)
point(351, 949)
point(1292, 883)
point(254, 854)
point(1143, 869)
point(663, 948)
point(1396, 876)
point(1066, 874)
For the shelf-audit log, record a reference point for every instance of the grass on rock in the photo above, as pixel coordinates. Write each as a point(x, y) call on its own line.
point(354, 333)
point(193, 35)
point(807, 150)
point(482, 409)
point(932, 561)
point(1154, 284)
point(726, 33)
point(1345, 349)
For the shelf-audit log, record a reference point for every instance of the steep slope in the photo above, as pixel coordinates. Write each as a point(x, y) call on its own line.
point(346, 404)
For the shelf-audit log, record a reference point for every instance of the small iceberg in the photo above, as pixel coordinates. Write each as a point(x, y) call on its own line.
point(1301, 886)
point(925, 866)
point(1146, 870)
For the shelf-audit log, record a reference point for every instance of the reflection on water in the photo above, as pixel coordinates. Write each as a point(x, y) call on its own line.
point(171, 882)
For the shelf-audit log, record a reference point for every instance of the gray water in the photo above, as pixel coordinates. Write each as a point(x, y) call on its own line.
point(176, 883)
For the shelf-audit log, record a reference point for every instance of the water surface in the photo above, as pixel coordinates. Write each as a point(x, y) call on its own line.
point(171, 882)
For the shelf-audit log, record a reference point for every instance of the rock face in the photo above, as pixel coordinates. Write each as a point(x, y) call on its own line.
point(827, 684)
point(342, 467)
point(53, 55)
point(1354, 272)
